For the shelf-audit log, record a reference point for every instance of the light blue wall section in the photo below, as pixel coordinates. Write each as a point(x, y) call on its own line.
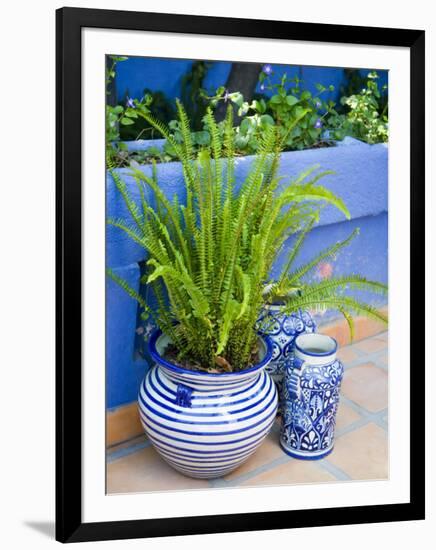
point(138, 73)
point(360, 172)
point(360, 179)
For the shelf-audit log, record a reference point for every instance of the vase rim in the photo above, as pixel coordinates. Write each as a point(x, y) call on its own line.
point(157, 357)
point(303, 349)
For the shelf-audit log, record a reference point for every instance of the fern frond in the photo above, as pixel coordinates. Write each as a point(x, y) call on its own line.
point(345, 282)
point(164, 131)
point(130, 204)
point(185, 130)
point(350, 322)
point(346, 303)
point(296, 249)
point(129, 290)
point(310, 192)
point(210, 258)
point(129, 230)
point(328, 252)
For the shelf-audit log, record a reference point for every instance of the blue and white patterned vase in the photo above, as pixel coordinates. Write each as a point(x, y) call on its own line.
point(282, 330)
point(311, 397)
point(206, 424)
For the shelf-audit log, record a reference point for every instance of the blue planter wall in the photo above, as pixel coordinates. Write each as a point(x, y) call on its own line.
point(360, 179)
point(139, 73)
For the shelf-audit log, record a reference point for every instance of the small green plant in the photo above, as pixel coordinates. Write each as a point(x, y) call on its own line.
point(123, 122)
point(155, 102)
point(117, 115)
point(289, 102)
point(210, 258)
point(366, 116)
point(298, 115)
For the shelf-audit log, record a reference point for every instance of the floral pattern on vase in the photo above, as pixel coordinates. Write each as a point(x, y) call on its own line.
point(282, 330)
point(310, 402)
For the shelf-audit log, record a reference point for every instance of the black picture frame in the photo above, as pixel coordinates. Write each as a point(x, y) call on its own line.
point(69, 525)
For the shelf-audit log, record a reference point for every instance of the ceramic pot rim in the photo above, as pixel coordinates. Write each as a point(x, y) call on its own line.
point(156, 356)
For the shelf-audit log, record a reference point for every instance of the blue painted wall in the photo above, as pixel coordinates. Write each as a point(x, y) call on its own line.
point(125, 369)
point(138, 73)
point(360, 179)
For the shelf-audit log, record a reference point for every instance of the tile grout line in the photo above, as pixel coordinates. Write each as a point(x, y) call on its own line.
point(127, 451)
point(367, 358)
point(335, 471)
point(130, 441)
point(221, 482)
point(361, 410)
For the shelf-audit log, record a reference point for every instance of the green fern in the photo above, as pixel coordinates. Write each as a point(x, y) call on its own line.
point(210, 258)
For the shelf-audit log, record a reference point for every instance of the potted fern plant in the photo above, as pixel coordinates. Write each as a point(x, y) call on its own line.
point(208, 402)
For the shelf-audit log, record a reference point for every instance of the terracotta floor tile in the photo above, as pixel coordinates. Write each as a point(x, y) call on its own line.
point(348, 354)
point(338, 331)
point(292, 472)
point(345, 416)
point(362, 453)
point(365, 327)
point(146, 471)
point(371, 345)
point(266, 453)
point(366, 385)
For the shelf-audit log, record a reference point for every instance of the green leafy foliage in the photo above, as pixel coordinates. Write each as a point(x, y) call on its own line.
point(302, 119)
point(210, 258)
point(299, 114)
point(366, 114)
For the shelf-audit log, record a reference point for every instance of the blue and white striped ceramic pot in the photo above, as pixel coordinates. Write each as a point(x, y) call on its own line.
point(311, 397)
point(282, 330)
point(206, 424)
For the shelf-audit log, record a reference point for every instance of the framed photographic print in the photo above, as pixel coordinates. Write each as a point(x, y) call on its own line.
point(240, 274)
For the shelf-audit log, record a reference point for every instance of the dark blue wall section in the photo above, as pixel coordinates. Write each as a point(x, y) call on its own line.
point(138, 73)
point(360, 179)
point(124, 371)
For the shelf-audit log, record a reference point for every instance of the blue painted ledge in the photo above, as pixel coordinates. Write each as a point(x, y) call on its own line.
point(360, 179)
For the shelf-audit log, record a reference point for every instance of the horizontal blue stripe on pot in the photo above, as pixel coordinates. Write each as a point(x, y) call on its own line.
point(221, 420)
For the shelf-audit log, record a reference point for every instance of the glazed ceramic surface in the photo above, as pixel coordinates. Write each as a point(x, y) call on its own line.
point(311, 397)
point(206, 424)
point(282, 330)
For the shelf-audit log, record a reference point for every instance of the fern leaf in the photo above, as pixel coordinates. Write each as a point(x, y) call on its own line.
point(328, 252)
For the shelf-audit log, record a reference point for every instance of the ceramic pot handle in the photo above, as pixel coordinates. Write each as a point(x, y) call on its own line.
point(294, 381)
point(184, 396)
